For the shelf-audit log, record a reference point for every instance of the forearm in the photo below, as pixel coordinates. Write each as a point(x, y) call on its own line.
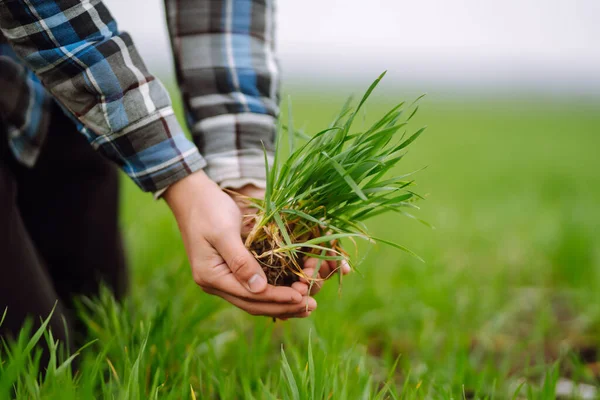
point(97, 75)
point(228, 74)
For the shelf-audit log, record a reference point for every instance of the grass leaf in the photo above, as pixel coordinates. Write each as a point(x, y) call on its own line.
point(289, 376)
point(399, 247)
point(282, 228)
point(290, 126)
point(410, 139)
point(346, 177)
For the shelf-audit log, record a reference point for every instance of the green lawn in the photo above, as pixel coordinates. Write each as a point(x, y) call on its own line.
point(509, 293)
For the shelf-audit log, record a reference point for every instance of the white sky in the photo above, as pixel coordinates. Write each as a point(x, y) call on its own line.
point(540, 45)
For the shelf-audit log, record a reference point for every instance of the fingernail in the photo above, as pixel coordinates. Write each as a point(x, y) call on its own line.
point(301, 289)
point(345, 267)
point(256, 283)
point(312, 304)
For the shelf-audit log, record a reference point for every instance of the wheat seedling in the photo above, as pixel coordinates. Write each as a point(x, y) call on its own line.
point(324, 190)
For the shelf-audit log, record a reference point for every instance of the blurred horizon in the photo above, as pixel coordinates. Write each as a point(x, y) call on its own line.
point(538, 48)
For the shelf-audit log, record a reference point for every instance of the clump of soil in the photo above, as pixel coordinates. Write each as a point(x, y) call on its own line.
point(282, 267)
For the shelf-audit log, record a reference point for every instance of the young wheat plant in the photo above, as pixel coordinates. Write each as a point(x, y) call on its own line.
point(324, 190)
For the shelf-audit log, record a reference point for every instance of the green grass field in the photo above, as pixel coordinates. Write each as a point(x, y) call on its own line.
point(507, 302)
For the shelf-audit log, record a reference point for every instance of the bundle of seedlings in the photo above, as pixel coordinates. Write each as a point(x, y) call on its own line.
point(323, 190)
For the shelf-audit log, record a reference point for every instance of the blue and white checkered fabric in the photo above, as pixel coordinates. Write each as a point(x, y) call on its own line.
point(226, 69)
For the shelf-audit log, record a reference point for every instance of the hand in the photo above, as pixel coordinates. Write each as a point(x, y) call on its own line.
point(328, 267)
point(210, 224)
point(327, 270)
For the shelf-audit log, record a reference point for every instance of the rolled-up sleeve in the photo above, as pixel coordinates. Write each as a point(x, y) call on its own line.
point(97, 75)
point(228, 75)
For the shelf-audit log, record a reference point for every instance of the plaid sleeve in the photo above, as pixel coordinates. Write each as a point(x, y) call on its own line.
point(228, 74)
point(97, 75)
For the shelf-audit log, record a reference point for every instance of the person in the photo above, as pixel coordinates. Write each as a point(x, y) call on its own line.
point(77, 99)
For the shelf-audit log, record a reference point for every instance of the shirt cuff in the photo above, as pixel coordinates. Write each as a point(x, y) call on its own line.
point(181, 159)
point(240, 183)
point(237, 168)
point(237, 183)
point(234, 146)
point(153, 152)
point(234, 150)
point(158, 194)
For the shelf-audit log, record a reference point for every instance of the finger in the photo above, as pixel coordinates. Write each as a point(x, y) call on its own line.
point(268, 309)
point(328, 268)
point(275, 294)
point(300, 287)
point(310, 263)
point(336, 266)
point(325, 270)
point(314, 285)
point(243, 264)
point(345, 267)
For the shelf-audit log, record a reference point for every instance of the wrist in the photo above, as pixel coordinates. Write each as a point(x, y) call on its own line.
point(179, 194)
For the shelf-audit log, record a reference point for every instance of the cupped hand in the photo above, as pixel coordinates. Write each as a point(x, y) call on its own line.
point(210, 223)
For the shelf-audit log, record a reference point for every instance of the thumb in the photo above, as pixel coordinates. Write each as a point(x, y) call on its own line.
point(243, 264)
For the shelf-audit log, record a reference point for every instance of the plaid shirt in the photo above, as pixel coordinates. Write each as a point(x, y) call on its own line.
point(226, 69)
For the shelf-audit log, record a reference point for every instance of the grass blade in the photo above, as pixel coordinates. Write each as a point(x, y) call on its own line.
point(410, 139)
point(290, 126)
point(289, 376)
point(282, 228)
point(399, 247)
point(346, 177)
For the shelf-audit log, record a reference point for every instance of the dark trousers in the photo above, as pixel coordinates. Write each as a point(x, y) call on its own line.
point(59, 234)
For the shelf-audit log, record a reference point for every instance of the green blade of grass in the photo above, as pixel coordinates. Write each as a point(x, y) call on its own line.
point(364, 99)
point(290, 126)
point(387, 117)
point(311, 367)
point(289, 376)
point(399, 247)
point(310, 218)
point(346, 177)
point(335, 236)
point(282, 228)
point(410, 139)
point(413, 113)
point(269, 183)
